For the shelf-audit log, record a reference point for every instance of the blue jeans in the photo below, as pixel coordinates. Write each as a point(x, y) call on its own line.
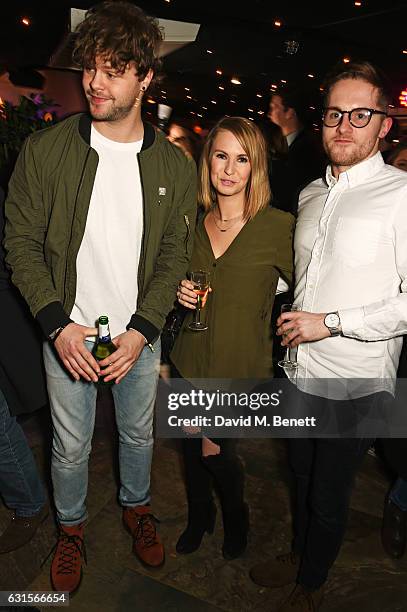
point(20, 484)
point(398, 494)
point(73, 406)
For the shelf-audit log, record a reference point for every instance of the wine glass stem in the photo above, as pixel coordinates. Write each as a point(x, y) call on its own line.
point(197, 315)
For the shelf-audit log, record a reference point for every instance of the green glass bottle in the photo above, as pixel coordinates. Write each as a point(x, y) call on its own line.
point(104, 347)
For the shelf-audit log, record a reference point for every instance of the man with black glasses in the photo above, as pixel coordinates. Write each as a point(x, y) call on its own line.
point(351, 267)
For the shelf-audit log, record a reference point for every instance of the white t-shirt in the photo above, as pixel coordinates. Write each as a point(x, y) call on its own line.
point(108, 258)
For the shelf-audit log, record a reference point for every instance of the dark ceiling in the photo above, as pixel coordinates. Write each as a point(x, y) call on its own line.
point(244, 43)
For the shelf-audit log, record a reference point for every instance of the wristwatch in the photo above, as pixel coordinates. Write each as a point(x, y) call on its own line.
point(54, 334)
point(333, 323)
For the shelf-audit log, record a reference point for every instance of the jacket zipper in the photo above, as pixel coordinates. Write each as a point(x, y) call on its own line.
point(186, 219)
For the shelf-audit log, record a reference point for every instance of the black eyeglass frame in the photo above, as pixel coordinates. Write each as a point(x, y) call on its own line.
point(372, 111)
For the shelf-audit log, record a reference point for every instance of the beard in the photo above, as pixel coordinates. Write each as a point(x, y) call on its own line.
point(350, 154)
point(114, 113)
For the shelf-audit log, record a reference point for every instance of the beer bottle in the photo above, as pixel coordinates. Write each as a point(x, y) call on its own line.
point(104, 346)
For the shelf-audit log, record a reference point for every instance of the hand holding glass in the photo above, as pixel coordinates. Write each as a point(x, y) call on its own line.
point(287, 362)
point(200, 280)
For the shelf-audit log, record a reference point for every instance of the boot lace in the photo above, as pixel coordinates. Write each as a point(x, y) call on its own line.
point(69, 547)
point(146, 530)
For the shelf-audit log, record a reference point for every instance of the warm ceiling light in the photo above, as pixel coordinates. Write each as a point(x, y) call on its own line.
point(283, 81)
point(187, 89)
point(213, 101)
point(205, 108)
point(357, 3)
point(260, 112)
point(26, 21)
point(251, 118)
point(219, 72)
point(198, 115)
point(189, 97)
point(233, 101)
point(311, 76)
point(259, 96)
point(151, 101)
point(273, 86)
point(312, 107)
point(163, 91)
point(321, 89)
point(209, 51)
point(250, 110)
point(221, 88)
point(405, 51)
point(278, 23)
point(235, 81)
point(346, 60)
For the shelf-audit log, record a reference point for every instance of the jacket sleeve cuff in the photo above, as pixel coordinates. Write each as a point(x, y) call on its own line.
point(352, 320)
point(147, 329)
point(51, 317)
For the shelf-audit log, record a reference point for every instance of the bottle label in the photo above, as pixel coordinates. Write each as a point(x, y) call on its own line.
point(104, 330)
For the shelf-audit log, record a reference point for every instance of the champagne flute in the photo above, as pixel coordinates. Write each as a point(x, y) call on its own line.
point(287, 362)
point(200, 280)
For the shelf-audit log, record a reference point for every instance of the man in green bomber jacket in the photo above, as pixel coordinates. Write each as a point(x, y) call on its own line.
point(99, 219)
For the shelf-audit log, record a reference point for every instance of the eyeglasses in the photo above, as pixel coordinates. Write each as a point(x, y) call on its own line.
point(358, 117)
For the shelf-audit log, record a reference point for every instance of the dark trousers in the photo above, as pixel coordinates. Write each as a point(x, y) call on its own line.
point(223, 470)
point(324, 470)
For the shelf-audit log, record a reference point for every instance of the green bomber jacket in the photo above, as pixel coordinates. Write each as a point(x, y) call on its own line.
point(46, 210)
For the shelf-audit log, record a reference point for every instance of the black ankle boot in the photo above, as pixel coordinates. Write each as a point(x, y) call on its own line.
point(236, 528)
point(201, 518)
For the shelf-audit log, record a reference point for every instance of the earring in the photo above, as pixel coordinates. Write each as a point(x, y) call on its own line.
point(143, 88)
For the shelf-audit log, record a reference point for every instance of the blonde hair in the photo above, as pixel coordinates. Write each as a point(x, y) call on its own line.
point(252, 141)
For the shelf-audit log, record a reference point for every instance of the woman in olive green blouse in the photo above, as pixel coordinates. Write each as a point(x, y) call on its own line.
point(247, 247)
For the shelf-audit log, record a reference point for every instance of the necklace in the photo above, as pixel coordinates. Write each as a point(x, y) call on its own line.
point(232, 221)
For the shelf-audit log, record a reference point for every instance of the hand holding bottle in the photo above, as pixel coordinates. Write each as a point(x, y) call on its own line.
point(129, 347)
point(73, 353)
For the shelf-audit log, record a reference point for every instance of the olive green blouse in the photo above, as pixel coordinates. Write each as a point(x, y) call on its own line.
point(238, 341)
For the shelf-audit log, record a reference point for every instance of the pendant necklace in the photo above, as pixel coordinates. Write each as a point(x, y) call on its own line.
point(233, 222)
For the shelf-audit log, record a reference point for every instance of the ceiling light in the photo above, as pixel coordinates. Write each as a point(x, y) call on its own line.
point(311, 76)
point(209, 51)
point(26, 21)
point(346, 60)
point(213, 101)
point(187, 89)
point(221, 88)
point(278, 23)
point(235, 81)
point(219, 72)
point(259, 96)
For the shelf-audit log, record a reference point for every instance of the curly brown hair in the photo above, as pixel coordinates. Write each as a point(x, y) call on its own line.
point(120, 33)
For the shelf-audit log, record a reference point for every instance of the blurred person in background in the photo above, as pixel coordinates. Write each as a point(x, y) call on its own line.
point(183, 136)
point(22, 390)
point(305, 160)
point(394, 525)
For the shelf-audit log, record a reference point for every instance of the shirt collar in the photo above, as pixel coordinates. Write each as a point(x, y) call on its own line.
point(291, 137)
point(356, 174)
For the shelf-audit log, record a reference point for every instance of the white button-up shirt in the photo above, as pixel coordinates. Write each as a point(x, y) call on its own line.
point(351, 256)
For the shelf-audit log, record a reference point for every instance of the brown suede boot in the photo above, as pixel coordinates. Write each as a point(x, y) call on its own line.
point(66, 567)
point(302, 600)
point(147, 546)
point(276, 572)
point(21, 530)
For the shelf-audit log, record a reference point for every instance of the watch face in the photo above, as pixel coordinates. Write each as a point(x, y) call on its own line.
point(332, 320)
